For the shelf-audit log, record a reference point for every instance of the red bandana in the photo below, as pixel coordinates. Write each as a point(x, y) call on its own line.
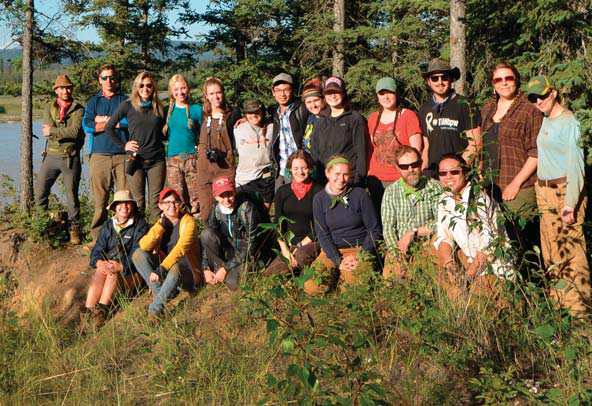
point(107, 97)
point(300, 189)
point(64, 106)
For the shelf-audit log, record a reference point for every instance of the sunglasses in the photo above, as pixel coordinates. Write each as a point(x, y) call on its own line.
point(453, 172)
point(110, 78)
point(533, 97)
point(413, 165)
point(445, 77)
point(508, 79)
point(147, 85)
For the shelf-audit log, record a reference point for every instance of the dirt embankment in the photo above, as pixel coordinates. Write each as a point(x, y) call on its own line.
point(44, 276)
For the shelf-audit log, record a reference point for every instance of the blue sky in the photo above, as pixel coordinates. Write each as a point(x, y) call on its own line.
point(52, 7)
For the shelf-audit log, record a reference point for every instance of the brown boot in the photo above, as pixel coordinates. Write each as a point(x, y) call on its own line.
point(74, 235)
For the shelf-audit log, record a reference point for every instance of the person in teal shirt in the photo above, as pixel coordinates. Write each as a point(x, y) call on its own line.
point(561, 197)
point(182, 129)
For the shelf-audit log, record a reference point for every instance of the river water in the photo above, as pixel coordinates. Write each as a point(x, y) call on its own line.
point(10, 152)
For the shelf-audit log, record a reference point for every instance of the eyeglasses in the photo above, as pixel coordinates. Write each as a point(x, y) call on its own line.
point(445, 77)
point(110, 78)
point(533, 97)
point(413, 165)
point(169, 203)
point(507, 79)
point(452, 172)
point(146, 85)
point(283, 91)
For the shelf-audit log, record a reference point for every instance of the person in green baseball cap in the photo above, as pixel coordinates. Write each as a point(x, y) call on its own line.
point(389, 128)
point(560, 196)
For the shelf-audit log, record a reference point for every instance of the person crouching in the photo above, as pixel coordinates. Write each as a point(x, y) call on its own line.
point(230, 236)
point(168, 254)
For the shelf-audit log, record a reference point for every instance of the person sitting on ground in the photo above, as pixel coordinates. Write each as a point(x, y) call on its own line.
point(467, 233)
point(111, 256)
point(169, 254)
point(229, 238)
point(254, 172)
point(294, 201)
point(182, 127)
point(346, 225)
point(409, 213)
point(561, 196)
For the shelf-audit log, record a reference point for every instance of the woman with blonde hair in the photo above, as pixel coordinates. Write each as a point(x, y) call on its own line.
point(145, 148)
point(183, 121)
point(215, 153)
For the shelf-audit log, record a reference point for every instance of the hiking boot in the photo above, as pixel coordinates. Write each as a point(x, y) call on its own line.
point(74, 235)
point(232, 279)
point(99, 315)
point(85, 320)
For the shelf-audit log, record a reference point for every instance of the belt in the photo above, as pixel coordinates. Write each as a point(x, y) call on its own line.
point(552, 183)
point(184, 156)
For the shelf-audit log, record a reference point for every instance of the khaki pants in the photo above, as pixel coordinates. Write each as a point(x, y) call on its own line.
point(399, 266)
point(564, 246)
point(106, 172)
point(331, 276)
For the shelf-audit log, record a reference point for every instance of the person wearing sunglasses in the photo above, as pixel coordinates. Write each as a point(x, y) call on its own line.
point(145, 161)
point(409, 212)
point(560, 196)
point(469, 234)
point(168, 256)
point(391, 127)
point(448, 124)
point(106, 165)
point(508, 149)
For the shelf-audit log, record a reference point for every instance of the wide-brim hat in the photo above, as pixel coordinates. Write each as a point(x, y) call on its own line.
point(252, 106)
point(438, 65)
point(62, 81)
point(121, 196)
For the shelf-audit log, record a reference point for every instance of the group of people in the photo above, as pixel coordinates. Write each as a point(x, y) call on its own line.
point(431, 183)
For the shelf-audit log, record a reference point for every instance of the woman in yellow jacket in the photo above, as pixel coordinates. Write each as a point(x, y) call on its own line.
point(168, 254)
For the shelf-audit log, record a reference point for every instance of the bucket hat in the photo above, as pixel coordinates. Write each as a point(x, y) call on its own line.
point(121, 196)
point(439, 65)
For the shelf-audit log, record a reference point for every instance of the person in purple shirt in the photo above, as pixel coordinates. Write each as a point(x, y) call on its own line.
point(346, 225)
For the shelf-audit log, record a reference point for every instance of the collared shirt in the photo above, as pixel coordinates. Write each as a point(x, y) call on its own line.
point(404, 209)
point(287, 143)
point(517, 133)
point(474, 228)
point(120, 226)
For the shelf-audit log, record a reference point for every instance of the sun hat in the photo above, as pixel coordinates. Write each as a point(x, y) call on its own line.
point(438, 65)
point(251, 106)
point(62, 81)
point(121, 196)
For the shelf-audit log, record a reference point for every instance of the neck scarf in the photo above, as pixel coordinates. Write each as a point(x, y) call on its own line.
point(64, 106)
point(440, 105)
point(105, 95)
point(340, 198)
point(146, 104)
point(409, 191)
point(300, 189)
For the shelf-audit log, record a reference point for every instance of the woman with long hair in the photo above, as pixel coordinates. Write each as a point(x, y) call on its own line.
point(343, 131)
point(215, 152)
point(183, 122)
point(389, 127)
point(510, 125)
point(145, 148)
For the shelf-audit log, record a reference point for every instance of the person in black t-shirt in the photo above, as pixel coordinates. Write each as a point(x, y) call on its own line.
point(294, 201)
point(446, 120)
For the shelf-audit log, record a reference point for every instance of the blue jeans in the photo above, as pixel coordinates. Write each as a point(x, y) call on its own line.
point(167, 286)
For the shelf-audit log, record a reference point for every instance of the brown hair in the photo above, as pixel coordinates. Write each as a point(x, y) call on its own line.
point(300, 154)
point(207, 106)
point(135, 97)
point(507, 65)
point(405, 149)
point(107, 66)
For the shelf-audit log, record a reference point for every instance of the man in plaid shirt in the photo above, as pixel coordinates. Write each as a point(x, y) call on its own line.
point(409, 213)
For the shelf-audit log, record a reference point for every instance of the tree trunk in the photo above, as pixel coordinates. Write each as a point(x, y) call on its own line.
point(26, 169)
point(339, 27)
point(458, 42)
point(145, 36)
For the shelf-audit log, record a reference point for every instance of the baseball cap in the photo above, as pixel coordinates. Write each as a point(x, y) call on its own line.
point(222, 184)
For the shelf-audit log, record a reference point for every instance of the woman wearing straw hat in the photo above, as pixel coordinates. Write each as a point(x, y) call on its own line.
point(112, 255)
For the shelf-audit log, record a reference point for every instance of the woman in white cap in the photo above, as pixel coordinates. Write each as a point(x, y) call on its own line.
point(389, 127)
point(112, 256)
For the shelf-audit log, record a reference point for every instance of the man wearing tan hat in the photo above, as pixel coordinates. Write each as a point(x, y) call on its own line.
point(446, 121)
point(62, 129)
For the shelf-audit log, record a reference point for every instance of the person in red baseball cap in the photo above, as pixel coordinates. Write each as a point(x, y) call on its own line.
point(168, 256)
point(230, 237)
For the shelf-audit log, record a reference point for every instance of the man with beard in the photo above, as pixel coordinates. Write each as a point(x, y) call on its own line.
point(409, 213)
